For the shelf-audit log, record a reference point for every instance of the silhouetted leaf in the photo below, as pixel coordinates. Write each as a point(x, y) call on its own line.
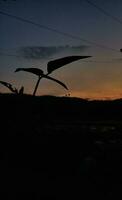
point(55, 64)
point(57, 81)
point(5, 84)
point(120, 50)
point(36, 71)
point(8, 85)
point(21, 91)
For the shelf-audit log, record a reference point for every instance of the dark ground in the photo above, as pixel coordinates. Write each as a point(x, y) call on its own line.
point(60, 147)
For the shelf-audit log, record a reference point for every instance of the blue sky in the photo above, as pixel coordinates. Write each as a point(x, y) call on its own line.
point(97, 77)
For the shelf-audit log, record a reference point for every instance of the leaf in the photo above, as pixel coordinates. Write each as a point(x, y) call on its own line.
point(8, 85)
point(55, 64)
point(5, 84)
point(57, 81)
point(36, 71)
point(21, 91)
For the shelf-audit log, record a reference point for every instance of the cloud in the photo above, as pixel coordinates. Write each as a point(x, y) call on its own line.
point(44, 52)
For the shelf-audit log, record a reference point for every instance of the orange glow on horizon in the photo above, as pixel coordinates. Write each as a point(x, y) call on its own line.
point(99, 96)
point(83, 95)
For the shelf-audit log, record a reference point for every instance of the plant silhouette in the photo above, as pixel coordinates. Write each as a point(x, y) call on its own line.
point(51, 66)
point(40, 74)
point(11, 88)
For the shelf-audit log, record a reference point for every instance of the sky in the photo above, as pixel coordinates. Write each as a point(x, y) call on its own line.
point(95, 34)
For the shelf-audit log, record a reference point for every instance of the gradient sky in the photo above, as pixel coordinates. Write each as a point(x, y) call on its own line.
point(25, 45)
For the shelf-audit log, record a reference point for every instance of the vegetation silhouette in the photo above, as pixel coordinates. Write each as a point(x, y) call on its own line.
point(41, 74)
point(13, 89)
point(51, 66)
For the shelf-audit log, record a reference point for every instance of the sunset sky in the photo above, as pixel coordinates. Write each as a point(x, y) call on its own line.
point(24, 44)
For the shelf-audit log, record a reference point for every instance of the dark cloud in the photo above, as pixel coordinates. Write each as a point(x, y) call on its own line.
point(44, 52)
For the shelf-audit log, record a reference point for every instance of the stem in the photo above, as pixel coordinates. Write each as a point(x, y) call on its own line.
point(37, 84)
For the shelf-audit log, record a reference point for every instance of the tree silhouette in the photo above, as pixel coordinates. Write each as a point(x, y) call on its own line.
point(51, 66)
point(11, 88)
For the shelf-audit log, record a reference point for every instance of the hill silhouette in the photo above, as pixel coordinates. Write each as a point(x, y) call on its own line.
point(61, 146)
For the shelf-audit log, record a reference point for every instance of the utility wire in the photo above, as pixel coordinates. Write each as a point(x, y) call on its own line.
point(58, 31)
point(104, 12)
point(88, 61)
point(5, 54)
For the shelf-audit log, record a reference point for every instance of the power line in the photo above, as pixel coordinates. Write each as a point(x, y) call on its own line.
point(88, 61)
point(104, 12)
point(104, 61)
point(5, 54)
point(58, 31)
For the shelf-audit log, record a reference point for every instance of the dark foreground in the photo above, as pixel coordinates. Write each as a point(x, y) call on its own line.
point(60, 148)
